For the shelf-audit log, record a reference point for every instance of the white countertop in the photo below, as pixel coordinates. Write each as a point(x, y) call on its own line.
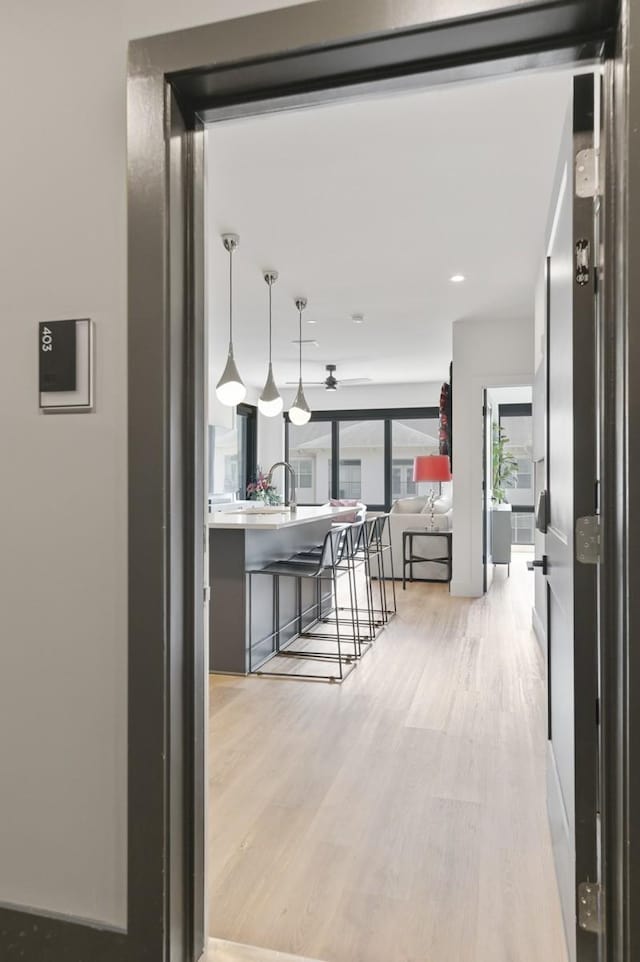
point(249, 520)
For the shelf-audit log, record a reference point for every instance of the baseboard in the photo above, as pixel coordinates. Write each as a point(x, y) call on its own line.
point(539, 630)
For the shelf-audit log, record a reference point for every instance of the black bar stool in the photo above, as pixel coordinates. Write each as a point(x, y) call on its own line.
point(362, 628)
point(377, 547)
point(326, 566)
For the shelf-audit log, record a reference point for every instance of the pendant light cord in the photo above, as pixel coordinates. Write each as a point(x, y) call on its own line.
point(270, 286)
point(230, 300)
point(300, 340)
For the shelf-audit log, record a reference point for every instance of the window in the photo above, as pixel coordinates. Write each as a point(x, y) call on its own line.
point(362, 453)
point(366, 455)
point(309, 453)
point(525, 474)
point(350, 485)
point(402, 483)
point(232, 455)
point(225, 445)
point(410, 438)
point(231, 480)
point(303, 468)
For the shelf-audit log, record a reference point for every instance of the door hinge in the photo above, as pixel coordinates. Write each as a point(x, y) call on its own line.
point(588, 551)
point(590, 906)
point(586, 173)
point(206, 594)
point(583, 274)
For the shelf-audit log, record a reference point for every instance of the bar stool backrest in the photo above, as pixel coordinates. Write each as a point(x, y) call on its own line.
point(370, 534)
point(333, 546)
point(382, 525)
point(357, 534)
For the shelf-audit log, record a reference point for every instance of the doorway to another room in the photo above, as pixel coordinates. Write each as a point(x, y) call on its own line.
point(412, 788)
point(508, 486)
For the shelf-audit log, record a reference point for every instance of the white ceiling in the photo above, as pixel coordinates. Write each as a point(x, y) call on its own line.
point(370, 207)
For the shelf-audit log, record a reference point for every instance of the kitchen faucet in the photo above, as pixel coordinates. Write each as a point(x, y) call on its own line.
point(291, 503)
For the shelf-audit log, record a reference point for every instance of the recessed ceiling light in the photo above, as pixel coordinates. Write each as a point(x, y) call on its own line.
point(357, 318)
point(457, 278)
point(310, 321)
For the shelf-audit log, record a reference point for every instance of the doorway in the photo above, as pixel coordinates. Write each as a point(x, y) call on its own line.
point(283, 799)
point(508, 478)
point(197, 537)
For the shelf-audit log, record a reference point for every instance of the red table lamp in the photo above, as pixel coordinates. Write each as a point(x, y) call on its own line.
point(432, 467)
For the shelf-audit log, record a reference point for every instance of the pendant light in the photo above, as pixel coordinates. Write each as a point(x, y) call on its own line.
point(270, 403)
point(230, 390)
point(299, 412)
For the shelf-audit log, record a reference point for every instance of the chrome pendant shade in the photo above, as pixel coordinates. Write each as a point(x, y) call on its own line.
point(270, 403)
point(230, 389)
point(299, 412)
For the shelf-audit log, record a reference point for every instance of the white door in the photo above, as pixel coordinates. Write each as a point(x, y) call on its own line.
point(571, 481)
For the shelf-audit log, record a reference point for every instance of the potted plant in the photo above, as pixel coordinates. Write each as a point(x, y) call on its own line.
point(504, 466)
point(262, 490)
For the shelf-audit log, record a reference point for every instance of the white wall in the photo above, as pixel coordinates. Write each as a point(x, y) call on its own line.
point(63, 576)
point(485, 354)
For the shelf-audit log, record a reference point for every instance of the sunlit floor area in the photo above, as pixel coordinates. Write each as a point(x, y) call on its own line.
point(399, 817)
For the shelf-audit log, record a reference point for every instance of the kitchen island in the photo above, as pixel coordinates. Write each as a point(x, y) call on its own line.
point(247, 537)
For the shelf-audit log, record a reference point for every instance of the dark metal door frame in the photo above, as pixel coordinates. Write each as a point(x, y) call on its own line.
point(619, 417)
point(572, 471)
point(318, 52)
point(177, 81)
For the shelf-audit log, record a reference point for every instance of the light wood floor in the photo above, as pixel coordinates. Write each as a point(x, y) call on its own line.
point(401, 816)
point(222, 951)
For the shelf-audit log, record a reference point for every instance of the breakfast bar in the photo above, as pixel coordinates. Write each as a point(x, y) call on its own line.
point(245, 537)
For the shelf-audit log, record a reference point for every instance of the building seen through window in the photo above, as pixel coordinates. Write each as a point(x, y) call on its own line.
point(375, 456)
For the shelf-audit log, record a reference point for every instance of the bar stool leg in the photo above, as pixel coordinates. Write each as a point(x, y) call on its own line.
point(355, 624)
point(383, 582)
point(249, 584)
point(369, 592)
point(393, 574)
point(275, 625)
point(404, 562)
point(335, 591)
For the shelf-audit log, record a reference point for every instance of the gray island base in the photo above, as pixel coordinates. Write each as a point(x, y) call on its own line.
point(239, 632)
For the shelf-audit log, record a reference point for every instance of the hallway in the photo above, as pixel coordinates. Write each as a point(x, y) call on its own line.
point(400, 817)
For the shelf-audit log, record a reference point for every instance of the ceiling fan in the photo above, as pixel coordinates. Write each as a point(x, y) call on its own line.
point(331, 382)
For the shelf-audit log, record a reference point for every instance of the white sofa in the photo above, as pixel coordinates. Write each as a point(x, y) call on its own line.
point(416, 513)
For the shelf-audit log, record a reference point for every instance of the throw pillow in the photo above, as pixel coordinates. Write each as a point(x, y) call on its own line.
point(348, 503)
point(409, 505)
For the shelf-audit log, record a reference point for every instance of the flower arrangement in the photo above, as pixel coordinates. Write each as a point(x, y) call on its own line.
point(262, 490)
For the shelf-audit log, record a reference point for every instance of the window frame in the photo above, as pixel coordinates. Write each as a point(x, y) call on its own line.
point(250, 447)
point(387, 416)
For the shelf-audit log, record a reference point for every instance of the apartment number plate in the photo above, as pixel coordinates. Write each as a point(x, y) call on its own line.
point(65, 353)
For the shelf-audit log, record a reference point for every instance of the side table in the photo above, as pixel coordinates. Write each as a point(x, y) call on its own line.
point(409, 557)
